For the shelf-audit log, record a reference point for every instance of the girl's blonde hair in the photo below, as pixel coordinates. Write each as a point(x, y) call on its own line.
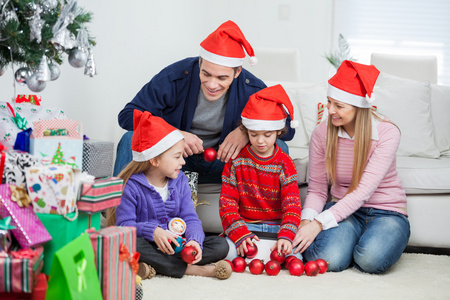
point(133, 167)
point(361, 148)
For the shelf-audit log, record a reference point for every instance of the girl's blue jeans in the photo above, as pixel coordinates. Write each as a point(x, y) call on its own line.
point(371, 239)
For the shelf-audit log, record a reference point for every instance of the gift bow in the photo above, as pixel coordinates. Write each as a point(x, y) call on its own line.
point(19, 195)
point(24, 253)
point(4, 224)
point(81, 276)
point(133, 259)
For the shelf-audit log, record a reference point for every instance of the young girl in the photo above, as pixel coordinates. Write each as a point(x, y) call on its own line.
point(366, 223)
point(155, 192)
point(259, 187)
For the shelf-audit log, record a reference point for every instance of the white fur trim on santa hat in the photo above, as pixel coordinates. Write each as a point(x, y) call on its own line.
point(343, 96)
point(165, 143)
point(253, 61)
point(253, 124)
point(221, 60)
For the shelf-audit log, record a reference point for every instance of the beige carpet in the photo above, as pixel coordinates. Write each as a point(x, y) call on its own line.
point(415, 276)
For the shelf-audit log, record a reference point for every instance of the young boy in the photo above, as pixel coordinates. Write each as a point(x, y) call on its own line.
point(259, 188)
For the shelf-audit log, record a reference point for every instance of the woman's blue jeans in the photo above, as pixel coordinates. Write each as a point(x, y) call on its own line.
point(371, 239)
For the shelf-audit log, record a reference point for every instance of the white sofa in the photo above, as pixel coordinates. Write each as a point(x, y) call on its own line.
point(420, 110)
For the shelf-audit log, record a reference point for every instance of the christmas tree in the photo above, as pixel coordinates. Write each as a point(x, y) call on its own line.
point(35, 34)
point(58, 158)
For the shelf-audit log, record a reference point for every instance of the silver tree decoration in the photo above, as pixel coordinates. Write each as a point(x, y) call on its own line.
point(342, 53)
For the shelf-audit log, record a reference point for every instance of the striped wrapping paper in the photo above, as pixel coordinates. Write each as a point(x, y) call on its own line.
point(116, 277)
point(18, 274)
point(101, 194)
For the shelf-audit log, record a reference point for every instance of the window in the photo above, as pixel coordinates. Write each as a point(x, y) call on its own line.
point(409, 27)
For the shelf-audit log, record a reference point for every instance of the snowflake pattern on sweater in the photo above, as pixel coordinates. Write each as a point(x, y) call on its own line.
point(258, 190)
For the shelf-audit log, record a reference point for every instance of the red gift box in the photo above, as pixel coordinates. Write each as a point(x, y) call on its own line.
point(101, 194)
point(114, 249)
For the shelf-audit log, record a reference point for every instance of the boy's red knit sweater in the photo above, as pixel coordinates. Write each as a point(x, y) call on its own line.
point(258, 190)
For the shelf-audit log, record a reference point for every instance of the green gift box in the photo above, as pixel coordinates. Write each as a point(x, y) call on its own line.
point(63, 231)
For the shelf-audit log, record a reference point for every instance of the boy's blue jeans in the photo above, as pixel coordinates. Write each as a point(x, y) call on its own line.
point(209, 172)
point(372, 239)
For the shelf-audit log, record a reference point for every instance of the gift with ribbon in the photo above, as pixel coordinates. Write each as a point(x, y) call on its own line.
point(116, 261)
point(19, 271)
point(18, 116)
point(32, 99)
point(13, 165)
point(57, 149)
point(53, 189)
point(101, 194)
point(29, 229)
point(73, 274)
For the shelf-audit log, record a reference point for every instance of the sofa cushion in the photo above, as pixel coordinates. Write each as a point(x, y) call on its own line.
point(440, 106)
point(301, 160)
point(408, 104)
point(424, 175)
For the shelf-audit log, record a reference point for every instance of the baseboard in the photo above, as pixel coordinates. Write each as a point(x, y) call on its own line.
point(428, 250)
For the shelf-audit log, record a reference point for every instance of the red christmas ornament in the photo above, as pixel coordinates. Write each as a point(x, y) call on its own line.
point(311, 268)
point(188, 254)
point(272, 268)
point(323, 265)
point(210, 154)
point(288, 260)
point(239, 264)
point(296, 267)
point(256, 266)
point(231, 264)
point(252, 250)
point(277, 256)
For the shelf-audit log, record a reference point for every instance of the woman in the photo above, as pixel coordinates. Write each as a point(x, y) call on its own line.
point(365, 223)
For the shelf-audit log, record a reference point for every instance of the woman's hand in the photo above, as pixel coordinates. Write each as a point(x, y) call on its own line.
point(197, 247)
point(162, 238)
point(306, 234)
point(242, 249)
point(282, 246)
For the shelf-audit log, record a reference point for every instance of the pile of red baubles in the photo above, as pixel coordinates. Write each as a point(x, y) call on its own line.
point(273, 266)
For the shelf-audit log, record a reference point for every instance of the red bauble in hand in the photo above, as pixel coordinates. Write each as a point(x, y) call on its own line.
point(272, 268)
point(277, 256)
point(210, 154)
point(239, 264)
point(323, 265)
point(312, 268)
point(252, 250)
point(296, 267)
point(188, 254)
point(256, 266)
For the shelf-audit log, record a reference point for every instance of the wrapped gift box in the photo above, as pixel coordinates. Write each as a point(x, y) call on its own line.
point(98, 158)
point(101, 194)
point(63, 231)
point(53, 189)
point(58, 142)
point(29, 229)
point(19, 275)
point(115, 274)
point(15, 164)
point(29, 112)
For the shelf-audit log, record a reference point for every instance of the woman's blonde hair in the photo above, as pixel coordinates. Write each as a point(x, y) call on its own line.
point(361, 148)
point(133, 167)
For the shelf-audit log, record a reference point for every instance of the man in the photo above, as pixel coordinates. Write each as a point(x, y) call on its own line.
point(203, 97)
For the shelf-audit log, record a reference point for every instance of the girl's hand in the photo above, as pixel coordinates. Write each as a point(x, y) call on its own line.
point(242, 249)
point(162, 238)
point(306, 234)
point(197, 247)
point(282, 246)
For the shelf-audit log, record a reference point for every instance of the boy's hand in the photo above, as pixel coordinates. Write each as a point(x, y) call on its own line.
point(162, 238)
point(283, 246)
point(242, 249)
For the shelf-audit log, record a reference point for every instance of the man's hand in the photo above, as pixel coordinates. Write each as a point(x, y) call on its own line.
point(193, 144)
point(232, 145)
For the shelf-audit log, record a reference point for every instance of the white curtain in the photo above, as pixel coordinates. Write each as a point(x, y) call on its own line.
point(410, 27)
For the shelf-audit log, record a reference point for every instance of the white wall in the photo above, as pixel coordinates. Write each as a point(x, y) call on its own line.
point(137, 38)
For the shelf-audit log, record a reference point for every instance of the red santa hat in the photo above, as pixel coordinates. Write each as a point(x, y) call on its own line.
point(265, 110)
point(224, 46)
point(353, 84)
point(152, 136)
